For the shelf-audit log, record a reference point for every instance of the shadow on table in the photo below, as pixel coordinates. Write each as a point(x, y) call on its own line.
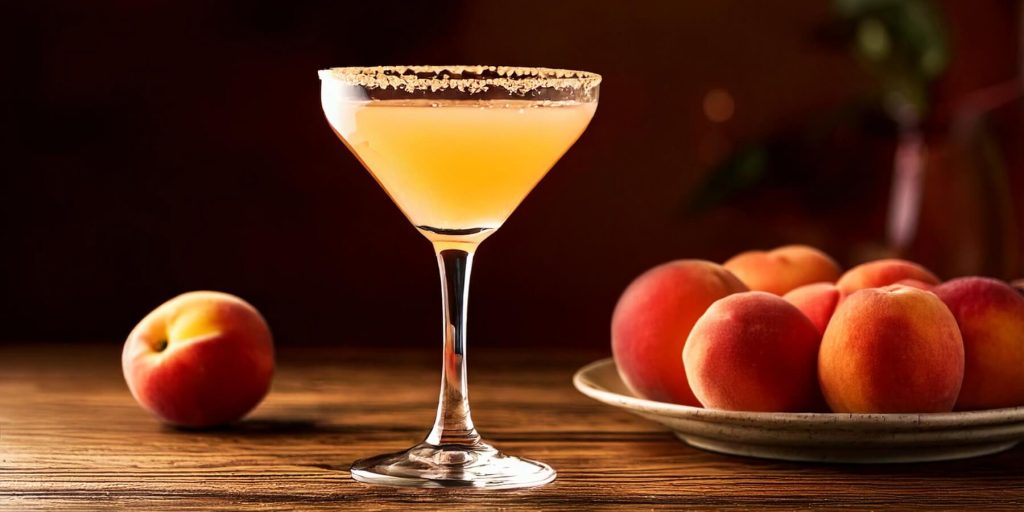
point(273, 427)
point(299, 431)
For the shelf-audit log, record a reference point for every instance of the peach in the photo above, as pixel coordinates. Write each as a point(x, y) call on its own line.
point(654, 316)
point(990, 314)
point(200, 359)
point(874, 274)
point(916, 283)
point(754, 351)
point(783, 269)
point(895, 349)
point(816, 301)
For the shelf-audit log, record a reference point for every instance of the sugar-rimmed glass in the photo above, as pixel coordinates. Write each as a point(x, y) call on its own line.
point(457, 148)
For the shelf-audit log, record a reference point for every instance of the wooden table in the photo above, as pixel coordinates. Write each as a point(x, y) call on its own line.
point(71, 437)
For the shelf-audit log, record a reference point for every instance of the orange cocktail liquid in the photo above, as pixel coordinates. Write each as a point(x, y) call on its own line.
point(458, 168)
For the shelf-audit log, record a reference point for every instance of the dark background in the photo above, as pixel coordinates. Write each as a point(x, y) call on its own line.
point(152, 148)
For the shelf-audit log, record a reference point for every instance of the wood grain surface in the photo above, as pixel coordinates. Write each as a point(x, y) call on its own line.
point(72, 438)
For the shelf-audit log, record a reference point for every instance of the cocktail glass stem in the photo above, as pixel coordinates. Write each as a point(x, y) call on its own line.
point(454, 424)
point(453, 455)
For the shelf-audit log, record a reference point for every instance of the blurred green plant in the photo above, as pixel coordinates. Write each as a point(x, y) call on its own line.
point(903, 44)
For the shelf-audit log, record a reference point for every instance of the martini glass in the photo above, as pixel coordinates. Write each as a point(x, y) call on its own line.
point(457, 148)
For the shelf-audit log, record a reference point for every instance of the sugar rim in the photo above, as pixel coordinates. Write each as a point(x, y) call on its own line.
point(516, 80)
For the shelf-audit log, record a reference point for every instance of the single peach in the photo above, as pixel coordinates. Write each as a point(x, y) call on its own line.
point(783, 269)
point(990, 314)
point(816, 301)
point(654, 316)
point(200, 359)
point(895, 349)
point(754, 351)
point(874, 274)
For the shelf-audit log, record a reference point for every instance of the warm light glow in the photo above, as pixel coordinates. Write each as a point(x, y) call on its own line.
point(719, 105)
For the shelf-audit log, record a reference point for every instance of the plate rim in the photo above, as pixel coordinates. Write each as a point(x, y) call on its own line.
point(585, 384)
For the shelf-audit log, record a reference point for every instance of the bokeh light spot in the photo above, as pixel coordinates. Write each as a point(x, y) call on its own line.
point(719, 105)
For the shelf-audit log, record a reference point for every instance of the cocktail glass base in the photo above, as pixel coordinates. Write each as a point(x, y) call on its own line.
point(452, 465)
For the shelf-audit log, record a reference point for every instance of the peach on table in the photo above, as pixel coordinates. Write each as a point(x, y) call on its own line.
point(200, 359)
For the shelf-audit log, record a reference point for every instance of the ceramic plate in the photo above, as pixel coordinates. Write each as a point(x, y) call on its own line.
point(817, 437)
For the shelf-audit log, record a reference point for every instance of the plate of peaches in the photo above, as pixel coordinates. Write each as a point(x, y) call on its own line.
point(782, 355)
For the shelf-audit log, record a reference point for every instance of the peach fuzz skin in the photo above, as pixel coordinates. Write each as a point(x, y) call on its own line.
point(200, 359)
point(916, 283)
point(895, 349)
point(875, 274)
point(990, 314)
point(816, 301)
point(780, 270)
point(652, 320)
point(754, 351)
